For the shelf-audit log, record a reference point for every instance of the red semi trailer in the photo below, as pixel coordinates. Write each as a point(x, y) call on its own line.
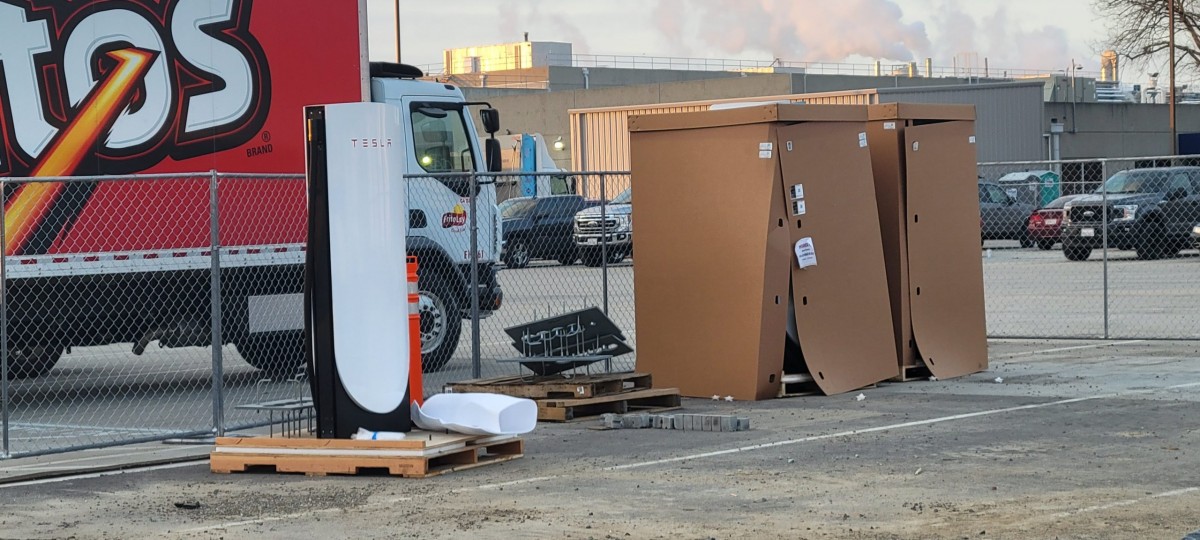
point(172, 87)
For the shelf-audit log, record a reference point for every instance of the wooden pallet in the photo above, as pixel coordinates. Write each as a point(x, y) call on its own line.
point(650, 400)
point(798, 385)
point(556, 386)
point(913, 373)
point(420, 455)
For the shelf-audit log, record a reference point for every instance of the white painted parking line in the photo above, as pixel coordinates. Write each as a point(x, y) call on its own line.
point(1126, 502)
point(1075, 348)
point(890, 427)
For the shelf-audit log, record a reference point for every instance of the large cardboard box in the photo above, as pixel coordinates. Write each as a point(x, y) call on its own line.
point(924, 161)
point(716, 263)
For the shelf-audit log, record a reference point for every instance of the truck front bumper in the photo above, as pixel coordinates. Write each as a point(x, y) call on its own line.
point(1091, 235)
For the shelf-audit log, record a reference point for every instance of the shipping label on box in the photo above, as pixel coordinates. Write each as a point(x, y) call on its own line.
point(806, 254)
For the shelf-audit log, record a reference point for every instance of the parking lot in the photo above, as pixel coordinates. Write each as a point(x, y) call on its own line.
point(103, 395)
point(1080, 439)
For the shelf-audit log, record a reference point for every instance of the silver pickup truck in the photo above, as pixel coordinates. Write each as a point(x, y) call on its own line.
point(608, 233)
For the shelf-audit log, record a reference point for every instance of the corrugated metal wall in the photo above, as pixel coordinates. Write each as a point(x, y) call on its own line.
point(600, 137)
point(1009, 125)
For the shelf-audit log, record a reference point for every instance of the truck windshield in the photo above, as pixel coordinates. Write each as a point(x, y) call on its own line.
point(626, 197)
point(517, 208)
point(440, 139)
point(1135, 182)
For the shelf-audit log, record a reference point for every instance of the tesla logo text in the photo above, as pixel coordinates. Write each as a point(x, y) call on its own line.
point(117, 86)
point(371, 143)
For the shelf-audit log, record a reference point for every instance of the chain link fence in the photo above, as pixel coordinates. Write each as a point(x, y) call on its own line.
point(183, 316)
point(1091, 248)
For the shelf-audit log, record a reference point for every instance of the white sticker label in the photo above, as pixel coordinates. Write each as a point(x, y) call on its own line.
point(764, 154)
point(798, 208)
point(971, 139)
point(789, 146)
point(798, 191)
point(916, 146)
point(862, 140)
point(766, 146)
point(806, 254)
point(889, 125)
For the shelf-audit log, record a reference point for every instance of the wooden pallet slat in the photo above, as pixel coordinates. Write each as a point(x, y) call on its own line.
point(320, 457)
point(555, 386)
point(653, 400)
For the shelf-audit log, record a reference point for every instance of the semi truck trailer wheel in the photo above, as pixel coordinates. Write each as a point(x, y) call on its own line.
point(32, 361)
point(279, 354)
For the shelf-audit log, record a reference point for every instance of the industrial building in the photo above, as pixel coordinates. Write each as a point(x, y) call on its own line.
point(583, 100)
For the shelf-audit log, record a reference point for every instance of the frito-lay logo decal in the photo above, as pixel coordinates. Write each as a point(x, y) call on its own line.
point(117, 86)
point(456, 219)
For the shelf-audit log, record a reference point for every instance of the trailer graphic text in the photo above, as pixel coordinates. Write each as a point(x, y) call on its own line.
point(206, 87)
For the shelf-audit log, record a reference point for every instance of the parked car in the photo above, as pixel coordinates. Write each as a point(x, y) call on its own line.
point(1196, 235)
point(1045, 224)
point(540, 228)
point(1153, 211)
point(1002, 217)
point(606, 233)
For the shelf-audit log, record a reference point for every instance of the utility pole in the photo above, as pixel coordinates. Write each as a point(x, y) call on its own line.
point(398, 57)
point(1171, 48)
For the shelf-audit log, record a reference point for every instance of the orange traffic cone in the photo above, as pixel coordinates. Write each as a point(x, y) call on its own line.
point(415, 384)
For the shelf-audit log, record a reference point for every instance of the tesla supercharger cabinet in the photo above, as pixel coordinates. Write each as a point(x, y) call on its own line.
point(356, 326)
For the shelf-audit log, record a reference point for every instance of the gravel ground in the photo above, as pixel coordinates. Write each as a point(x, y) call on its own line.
point(1091, 442)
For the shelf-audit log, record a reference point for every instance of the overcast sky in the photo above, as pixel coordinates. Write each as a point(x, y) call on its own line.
point(1015, 34)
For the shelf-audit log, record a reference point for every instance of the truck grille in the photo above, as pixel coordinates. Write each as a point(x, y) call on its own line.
point(595, 225)
point(1090, 214)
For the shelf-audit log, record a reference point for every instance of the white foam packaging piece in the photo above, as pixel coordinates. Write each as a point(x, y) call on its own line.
point(476, 414)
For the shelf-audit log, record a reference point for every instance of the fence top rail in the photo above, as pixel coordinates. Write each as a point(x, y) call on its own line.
point(514, 174)
point(151, 177)
point(1086, 160)
point(261, 176)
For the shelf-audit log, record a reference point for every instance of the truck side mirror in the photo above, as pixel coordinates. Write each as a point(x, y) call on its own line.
point(491, 154)
point(491, 120)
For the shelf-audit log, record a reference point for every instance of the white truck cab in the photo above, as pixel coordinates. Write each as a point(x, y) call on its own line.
point(443, 141)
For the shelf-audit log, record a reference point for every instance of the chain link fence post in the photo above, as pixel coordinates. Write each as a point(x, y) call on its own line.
point(1104, 235)
point(604, 238)
point(4, 405)
point(218, 376)
point(476, 364)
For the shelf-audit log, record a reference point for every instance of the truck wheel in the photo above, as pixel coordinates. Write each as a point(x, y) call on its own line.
point(1153, 243)
point(279, 354)
point(32, 361)
point(1077, 253)
point(1045, 245)
point(615, 256)
point(518, 255)
point(441, 320)
point(591, 257)
point(568, 257)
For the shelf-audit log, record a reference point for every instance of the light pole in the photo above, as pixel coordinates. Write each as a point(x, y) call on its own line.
point(1171, 48)
point(398, 58)
point(1073, 99)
